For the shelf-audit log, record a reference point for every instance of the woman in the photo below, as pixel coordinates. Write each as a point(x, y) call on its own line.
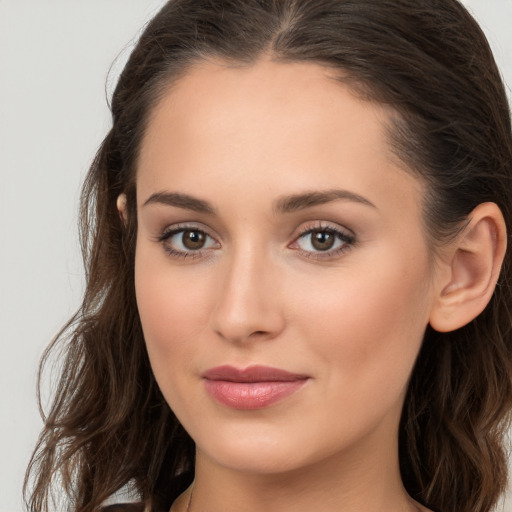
point(298, 289)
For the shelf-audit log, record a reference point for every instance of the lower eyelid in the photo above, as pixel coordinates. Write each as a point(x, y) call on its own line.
point(327, 255)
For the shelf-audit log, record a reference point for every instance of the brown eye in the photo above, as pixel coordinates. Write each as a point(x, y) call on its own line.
point(322, 240)
point(327, 240)
point(193, 239)
point(187, 242)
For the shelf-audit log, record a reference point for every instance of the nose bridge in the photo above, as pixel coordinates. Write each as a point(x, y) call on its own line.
point(247, 302)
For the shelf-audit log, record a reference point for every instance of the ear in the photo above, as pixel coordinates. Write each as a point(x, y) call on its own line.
point(470, 269)
point(121, 208)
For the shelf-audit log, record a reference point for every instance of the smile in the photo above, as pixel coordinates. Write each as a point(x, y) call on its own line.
point(254, 387)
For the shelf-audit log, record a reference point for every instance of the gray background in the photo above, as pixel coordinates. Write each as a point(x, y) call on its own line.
point(55, 70)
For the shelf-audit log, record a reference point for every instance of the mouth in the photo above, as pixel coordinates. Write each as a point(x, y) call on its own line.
point(255, 387)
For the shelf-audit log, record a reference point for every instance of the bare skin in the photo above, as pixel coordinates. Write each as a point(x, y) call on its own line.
point(276, 228)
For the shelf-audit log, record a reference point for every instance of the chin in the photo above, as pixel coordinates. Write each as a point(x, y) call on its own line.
point(253, 450)
point(257, 460)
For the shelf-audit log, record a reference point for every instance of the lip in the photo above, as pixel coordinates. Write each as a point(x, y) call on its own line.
point(254, 387)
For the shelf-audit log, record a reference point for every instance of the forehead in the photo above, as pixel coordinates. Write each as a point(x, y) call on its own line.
point(294, 99)
point(283, 125)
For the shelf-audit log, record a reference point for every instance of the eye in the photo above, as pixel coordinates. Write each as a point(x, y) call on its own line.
point(192, 239)
point(187, 241)
point(322, 240)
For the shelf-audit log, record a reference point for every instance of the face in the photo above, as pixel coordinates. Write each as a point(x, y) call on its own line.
point(283, 277)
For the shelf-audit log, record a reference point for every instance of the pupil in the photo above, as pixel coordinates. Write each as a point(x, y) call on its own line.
point(322, 240)
point(193, 239)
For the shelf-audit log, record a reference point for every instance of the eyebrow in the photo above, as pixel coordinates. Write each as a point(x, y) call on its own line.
point(285, 204)
point(181, 201)
point(305, 200)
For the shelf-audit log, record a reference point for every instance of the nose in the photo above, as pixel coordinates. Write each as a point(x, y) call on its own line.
point(249, 304)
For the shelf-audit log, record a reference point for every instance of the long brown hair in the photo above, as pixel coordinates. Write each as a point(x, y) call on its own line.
point(108, 424)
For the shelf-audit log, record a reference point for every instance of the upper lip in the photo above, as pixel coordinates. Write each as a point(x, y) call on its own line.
point(255, 373)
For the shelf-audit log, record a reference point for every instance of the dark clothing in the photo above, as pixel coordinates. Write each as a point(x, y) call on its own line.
point(124, 507)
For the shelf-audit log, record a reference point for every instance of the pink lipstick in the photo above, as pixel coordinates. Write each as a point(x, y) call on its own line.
point(254, 387)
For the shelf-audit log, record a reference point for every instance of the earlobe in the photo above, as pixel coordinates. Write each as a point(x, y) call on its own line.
point(121, 208)
point(474, 262)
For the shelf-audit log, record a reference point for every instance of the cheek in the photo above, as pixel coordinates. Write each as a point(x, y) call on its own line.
point(173, 309)
point(367, 325)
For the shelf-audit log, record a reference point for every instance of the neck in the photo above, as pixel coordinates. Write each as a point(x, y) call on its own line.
point(351, 484)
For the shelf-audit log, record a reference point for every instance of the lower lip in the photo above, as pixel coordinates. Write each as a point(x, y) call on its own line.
point(251, 395)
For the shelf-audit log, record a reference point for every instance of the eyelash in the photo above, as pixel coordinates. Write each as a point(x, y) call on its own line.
point(176, 253)
point(347, 238)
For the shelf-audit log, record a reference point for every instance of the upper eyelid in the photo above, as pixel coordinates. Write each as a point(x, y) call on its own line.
point(327, 226)
point(176, 228)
